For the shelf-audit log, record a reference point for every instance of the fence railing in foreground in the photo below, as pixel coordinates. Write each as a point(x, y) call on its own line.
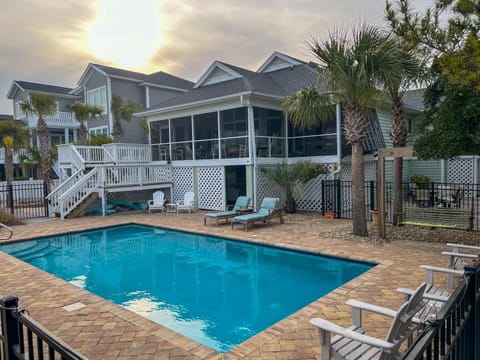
point(455, 333)
point(21, 337)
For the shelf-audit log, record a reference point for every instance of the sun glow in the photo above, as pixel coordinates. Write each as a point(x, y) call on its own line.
point(126, 32)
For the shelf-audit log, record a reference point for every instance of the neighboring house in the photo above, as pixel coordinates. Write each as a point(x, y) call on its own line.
point(4, 117)
point(99, 82)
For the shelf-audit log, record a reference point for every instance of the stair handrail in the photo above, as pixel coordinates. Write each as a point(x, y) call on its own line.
point(8, 229)
point(78, 161)
point(70, 199)
point(63, 187)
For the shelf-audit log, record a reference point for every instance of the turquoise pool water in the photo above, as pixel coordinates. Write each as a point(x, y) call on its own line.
point(214, 291)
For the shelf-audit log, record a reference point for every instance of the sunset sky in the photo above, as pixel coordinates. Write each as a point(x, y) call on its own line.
point(53, 41)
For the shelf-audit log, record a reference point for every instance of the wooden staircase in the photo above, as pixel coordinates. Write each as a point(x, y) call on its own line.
point(84, 205)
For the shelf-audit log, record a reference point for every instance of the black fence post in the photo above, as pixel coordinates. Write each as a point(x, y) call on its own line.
point(45, 200)
point(338, 199)
point(372, 195)
point(9, 305)
point(432, 194)
point(324, 202)
point(10, 198)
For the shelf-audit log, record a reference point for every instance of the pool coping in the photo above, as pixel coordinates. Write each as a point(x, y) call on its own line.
point(191, 346)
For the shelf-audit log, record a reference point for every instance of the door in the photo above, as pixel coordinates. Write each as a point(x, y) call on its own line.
point(235, 183)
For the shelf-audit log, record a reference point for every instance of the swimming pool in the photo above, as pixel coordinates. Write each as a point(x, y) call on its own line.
point(215, 291)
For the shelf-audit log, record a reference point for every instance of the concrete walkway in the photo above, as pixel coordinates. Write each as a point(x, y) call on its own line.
point(103, 330)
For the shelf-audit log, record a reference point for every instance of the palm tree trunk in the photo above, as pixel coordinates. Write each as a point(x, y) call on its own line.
point(82, 134)
point(43, 147)
point(398, 134)
point(117, 133)
point(9, 165)
point(359, 217)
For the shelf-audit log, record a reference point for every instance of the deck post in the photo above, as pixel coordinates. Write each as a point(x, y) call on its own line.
point(104, 201)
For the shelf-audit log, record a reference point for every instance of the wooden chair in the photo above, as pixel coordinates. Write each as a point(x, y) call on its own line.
point(355, 343)
point(188, 202)
point(158, 202)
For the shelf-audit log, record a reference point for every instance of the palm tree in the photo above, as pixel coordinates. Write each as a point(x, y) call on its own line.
point(292, 178)
point(14, 137)
point(83, 112)
point(121, 110)
point(352, 68)
point(41, 105)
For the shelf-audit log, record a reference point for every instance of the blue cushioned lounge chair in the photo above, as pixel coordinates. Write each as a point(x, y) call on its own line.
point(268, 209)
point(241, 203)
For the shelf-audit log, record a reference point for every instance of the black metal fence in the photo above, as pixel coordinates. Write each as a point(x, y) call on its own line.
point(455, 333)
point(25, 200)
point(337, 197)
point(21, 337)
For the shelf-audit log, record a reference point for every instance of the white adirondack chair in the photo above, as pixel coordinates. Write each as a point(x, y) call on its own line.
point(188, 203)
point(158, 202)
point(354, 343)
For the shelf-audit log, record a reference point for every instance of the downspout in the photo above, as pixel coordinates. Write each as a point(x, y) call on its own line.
point(338, 165)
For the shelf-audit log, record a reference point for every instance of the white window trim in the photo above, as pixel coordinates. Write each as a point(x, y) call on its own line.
point(105, 109)
point(19, 114)
point(98, 130)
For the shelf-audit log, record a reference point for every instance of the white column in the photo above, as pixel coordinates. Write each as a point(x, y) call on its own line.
point(109, 101)
point(67, 137)
point(147, 97)
point(338, 111)
point(75, 134)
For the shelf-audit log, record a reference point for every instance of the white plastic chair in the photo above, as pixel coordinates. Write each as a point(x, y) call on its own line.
point(158, 202)
point(188, 203)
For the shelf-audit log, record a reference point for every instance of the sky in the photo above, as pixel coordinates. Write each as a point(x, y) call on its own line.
point(52, 42)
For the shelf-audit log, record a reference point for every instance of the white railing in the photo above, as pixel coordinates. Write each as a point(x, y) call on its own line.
point(129, 153)
point(85, 186)
point(122, 175)
point(60, 119)
point(91, 154)
point(16, 155)
point(68, 155)
point(54, 196)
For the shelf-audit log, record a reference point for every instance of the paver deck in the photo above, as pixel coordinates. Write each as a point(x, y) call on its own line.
point(103, 330)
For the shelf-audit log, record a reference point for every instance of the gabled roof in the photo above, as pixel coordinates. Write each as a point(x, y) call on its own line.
point(159, 78)
point(237, 80)
point(37, 87)
point(278, 61)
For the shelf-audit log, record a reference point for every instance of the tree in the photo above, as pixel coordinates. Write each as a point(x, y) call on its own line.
point(14, 136)
point(292, 178)
point(447, 35)
point(121, 110)
point(351, 68)
point(83, 112)
point(41, 105)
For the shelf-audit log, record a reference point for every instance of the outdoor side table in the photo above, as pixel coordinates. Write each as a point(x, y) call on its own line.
point(171, 208)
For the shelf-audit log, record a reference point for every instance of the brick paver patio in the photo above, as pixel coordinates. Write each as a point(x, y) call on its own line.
point(103, 330)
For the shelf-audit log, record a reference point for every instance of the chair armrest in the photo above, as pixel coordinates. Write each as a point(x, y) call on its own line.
point(365, 339)
point(461, 246)
point(150, 202)
point(443, 270)
point(409, 292)
point(371, 308)
point(460, 255)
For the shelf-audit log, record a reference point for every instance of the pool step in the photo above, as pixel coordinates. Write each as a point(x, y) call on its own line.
point(40, 253)
point(37, 246)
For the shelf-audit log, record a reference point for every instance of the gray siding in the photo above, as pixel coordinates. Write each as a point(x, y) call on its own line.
point(158, 95)
point(63, 104)
point(430, 168)
point(95, 81)
point(384, 118)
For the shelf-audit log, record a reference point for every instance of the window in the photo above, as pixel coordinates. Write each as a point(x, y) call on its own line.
point(18, 111)
point(96, 131)
point(98, 97)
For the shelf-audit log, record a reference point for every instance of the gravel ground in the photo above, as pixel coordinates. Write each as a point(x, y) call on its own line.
point(401, 233)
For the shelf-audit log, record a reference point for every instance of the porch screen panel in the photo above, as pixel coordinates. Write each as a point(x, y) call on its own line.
point(182, 182)
point(211, 194)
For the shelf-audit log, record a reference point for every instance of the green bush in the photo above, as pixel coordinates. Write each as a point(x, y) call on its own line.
point(422, 181)
point(99, 140)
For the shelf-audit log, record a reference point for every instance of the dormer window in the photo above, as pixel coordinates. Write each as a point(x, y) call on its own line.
point(19, 114)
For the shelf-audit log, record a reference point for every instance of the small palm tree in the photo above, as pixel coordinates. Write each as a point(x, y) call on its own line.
point(83, 112)
point(41, 105)
point(121, 110)
point(292, 178)
point(352, 68)
point(14, 136)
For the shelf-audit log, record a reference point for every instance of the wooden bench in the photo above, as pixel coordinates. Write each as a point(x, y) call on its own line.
point(443, 217)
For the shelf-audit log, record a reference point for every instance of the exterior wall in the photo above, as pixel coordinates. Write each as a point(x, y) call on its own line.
point(64, 103)
point(430, 168)
point(19, 95)
point(157, 95)
point(384, 118)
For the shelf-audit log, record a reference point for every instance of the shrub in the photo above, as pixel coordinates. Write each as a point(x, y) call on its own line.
point(421, 181)
point(99, 140)
point(8, 219)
